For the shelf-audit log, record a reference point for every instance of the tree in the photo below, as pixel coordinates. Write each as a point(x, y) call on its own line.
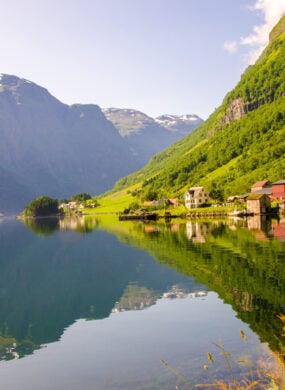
point(41, 207)
point(82, 196)
point(150, 194)
point(216, 193)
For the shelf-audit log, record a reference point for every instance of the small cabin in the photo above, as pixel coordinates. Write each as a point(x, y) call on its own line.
point(258, 204)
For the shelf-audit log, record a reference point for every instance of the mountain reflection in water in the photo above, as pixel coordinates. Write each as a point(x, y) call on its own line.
point(60, 274)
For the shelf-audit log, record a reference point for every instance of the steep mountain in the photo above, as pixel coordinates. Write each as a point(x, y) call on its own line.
point(51, 148)
point(243, 141)
point(147, 136)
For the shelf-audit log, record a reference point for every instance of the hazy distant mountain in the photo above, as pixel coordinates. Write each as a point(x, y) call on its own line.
point(180, 124)
point(51, 148)
point(147, 136)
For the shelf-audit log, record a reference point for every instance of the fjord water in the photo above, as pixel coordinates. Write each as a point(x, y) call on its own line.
point(91, 303)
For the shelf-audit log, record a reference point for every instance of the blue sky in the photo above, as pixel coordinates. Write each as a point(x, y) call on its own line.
point(157, 56)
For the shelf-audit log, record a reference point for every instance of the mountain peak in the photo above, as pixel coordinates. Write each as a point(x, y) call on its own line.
point(184, 123)
point(11, 81)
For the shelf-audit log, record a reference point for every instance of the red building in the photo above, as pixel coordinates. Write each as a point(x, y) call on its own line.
point(278, 190)
point(279, 230)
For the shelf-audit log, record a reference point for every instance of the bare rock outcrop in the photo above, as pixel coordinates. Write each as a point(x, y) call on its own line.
point(236, 110)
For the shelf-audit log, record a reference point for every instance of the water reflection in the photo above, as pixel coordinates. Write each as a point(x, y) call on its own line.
point(242, 260)
point(261, 226)
point(42, 226)
point(48, 281)
point(78, 224)
point(52, 280)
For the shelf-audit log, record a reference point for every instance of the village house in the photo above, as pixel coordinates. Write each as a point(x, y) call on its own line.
point(196, 197)
point(263, 186)
point(258, 204)
point(69, 205)
point(174, 202)
point(278, 190)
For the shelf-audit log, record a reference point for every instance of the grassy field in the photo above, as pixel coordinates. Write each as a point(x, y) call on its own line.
point(118, 202)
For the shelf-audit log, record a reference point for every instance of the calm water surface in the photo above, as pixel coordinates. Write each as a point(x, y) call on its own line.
point(95, 303)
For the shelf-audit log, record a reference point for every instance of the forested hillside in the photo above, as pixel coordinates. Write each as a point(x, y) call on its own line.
point(242, 141)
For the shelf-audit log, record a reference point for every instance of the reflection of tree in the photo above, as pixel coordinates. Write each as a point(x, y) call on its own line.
point(247, 273)
point(47, 284)
point(47, 226)
point(42, 226)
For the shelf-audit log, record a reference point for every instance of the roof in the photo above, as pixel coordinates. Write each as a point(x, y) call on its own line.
point(243, 196)
point(147, 203)
point(255, 196)
point(261, 183)
point(279, 182)
point(266, 191)
point(194, 191)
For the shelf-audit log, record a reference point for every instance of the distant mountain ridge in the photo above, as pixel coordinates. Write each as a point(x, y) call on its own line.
point(50, 148)
point(182, 124)
point(147, 136)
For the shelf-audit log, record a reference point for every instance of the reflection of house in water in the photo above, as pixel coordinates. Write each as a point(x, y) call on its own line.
point(260, 226)
point(175, 227)
point(196, 231)
point(279, 229)
point(151, 229)
point(69, 223)
point(77, 224)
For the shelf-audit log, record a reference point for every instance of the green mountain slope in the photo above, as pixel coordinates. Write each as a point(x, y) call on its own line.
point(242, 141)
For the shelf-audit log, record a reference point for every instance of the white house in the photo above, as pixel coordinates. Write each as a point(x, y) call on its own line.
point(196, 197)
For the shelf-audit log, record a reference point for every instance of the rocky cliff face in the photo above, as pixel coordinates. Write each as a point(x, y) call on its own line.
point(236, 110)
point(50, 148)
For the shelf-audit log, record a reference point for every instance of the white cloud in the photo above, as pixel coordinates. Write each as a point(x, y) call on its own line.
point(231, 46)
point(272, 11)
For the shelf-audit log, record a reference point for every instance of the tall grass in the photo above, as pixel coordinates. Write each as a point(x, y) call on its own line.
point(266, 375)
